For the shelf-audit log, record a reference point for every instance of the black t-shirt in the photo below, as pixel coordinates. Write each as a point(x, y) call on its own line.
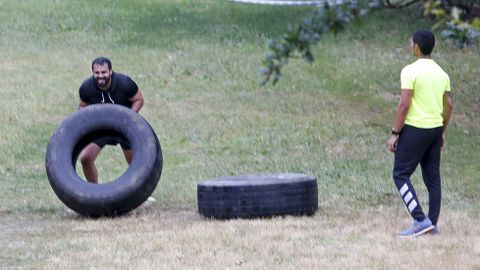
point(121, 90)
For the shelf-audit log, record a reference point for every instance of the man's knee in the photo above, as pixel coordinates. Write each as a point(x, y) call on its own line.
point(400, 178)
point(89, 154)
point(86, 159)
point(397, 176)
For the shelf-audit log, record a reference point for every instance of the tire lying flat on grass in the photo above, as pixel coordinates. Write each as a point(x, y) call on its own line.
point(249, 196)
point(121, 195)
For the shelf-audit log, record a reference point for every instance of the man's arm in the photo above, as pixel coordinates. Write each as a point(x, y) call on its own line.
point(137, 101)
point(402, 111)
point(447, 113)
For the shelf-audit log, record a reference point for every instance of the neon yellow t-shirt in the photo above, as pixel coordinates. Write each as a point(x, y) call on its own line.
point(429, 83)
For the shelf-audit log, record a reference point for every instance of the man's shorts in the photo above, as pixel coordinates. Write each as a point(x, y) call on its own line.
point(101, 142)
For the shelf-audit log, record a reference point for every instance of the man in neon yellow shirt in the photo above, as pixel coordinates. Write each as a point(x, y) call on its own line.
point(418, 135)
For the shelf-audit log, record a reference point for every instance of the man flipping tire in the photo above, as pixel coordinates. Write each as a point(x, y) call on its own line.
point(106, 86)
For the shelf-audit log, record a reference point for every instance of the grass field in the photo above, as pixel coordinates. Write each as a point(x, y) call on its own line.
point(196, 63)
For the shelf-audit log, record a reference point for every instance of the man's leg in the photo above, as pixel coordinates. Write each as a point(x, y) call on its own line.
point(430, 165)
point(410, 149)
point(87, 158)
point(128, 155)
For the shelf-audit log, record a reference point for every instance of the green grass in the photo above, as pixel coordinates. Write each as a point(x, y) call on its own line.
point(196, 63)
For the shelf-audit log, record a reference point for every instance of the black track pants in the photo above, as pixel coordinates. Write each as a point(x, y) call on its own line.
point(419, 146)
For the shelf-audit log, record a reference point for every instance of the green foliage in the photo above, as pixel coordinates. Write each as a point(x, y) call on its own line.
point(463, 33)
point(458, 18)
point(299, 40)
point(460, 23)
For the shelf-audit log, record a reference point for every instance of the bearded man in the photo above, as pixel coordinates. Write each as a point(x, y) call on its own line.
point(107, 86)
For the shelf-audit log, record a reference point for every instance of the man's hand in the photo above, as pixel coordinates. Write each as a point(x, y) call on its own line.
point(82, 104)
point(392, 143)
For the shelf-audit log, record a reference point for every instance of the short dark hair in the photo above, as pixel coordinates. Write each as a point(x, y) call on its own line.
point(102, 61)
point(425, 39)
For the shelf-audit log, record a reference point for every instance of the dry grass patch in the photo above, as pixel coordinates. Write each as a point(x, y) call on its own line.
point(155, 237)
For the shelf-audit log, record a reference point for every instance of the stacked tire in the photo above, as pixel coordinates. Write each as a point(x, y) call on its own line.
point(251, 196)
point(120, 195)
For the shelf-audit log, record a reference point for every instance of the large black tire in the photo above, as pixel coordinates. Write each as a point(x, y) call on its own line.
point(120, 195)
point(250, 196)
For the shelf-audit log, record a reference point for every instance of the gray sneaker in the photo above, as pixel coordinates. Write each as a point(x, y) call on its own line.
point(418, 228)
point(435, 231)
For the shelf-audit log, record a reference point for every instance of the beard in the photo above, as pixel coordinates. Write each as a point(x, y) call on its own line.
point(102, 82)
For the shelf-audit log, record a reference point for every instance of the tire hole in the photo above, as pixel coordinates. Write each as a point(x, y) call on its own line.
point(110, 162)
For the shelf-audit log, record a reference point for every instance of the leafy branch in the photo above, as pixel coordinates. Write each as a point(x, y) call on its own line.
point(460, 22)
point(297, 41)
point(459, 19)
